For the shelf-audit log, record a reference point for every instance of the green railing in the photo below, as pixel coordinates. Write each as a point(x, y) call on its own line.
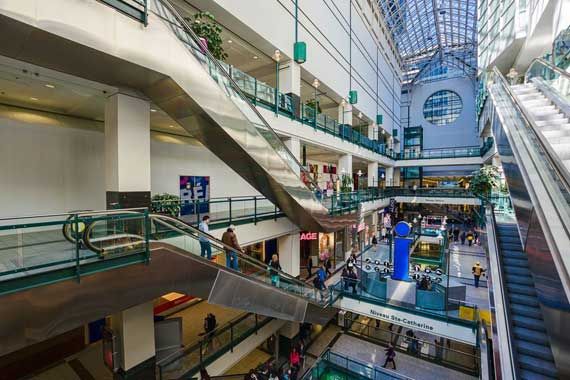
point(461, 152)
point(467, 362)
point(187, 362)
point(343, 367)
point(137, 9)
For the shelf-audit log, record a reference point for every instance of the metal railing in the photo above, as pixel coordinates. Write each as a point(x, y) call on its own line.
point(187, 362)
point(423, 349)
point(137, 9)
point(332, 361)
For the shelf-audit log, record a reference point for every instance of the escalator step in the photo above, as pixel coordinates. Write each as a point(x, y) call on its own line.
point(518, 262)
point(510, 239)
point(537, 365)
point(526, 290)
point(514, 254)
point(526, 311)
point(537, 350)
point(529, 375)
point(531, 336)
point(518, 271)
point(510, 246)
point(523, 300)
point(528, 323)
point(516, 279)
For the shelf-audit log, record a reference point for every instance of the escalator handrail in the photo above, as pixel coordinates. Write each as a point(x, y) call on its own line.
point(503, 326)
point(235, 87)
point(549, 65)
point(561, 171)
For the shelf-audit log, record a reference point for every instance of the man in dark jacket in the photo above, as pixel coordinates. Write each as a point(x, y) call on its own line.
point(229, 238)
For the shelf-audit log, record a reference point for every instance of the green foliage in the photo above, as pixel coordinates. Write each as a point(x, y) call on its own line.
point(485, 180)
point(167, 204)
point(205, 26)
point(345, 183)
point(311, 103)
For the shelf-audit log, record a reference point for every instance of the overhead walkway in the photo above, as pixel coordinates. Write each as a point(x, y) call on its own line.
point(112, 260)
point(531, 128)
point(471, 155)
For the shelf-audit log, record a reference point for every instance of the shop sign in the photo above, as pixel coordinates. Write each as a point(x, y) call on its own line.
point(309, 235)
point(415, 322)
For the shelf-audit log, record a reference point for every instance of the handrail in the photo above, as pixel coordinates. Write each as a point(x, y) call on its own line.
point(504, 339)
point(235, 86)
point(549, 65)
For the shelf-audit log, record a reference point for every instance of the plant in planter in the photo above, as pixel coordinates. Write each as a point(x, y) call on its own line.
point(205, 26)
point(345, 184)
point(167, 204)
point(485, 180)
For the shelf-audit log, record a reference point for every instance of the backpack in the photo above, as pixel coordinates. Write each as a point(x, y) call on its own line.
point(317, 282)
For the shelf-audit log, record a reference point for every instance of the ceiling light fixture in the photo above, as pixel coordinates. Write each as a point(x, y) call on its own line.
point(230, 41)
point(32, 98)
point(152, 110)
point(255, 57)
point(171, 126)
point(277, 55)
point(48, 85)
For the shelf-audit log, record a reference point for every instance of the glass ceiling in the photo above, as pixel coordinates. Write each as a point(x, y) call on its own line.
point(435, 38)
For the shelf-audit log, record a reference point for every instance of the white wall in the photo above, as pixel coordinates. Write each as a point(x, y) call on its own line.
point(462, 132)
point(51, 163)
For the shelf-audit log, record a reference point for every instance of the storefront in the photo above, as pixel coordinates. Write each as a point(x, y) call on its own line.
point(320, 246)
point(262, 250)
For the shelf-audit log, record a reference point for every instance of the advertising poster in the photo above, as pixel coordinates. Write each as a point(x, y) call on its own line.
point(326, 245)
point(194, 194)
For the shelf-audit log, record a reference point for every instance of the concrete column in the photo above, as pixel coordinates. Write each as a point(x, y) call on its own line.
point(127, 151)
point(134, 329)
point(373, 174)
point(290, 82)
point(345, 114)
point(373, 132)
point(396, 177)
point(290, 253)
point(345, 166)
point(389, 179)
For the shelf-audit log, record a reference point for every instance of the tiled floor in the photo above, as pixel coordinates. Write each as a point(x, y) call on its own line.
point(415, 368)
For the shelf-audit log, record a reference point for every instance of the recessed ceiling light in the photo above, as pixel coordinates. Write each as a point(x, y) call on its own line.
point(255, 57)
point(48, 85)
point(230, 41)
point(152, 110)
point(171, 126)
point(32, 98)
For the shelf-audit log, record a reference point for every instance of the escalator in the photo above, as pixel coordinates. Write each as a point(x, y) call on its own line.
point(182, 78)
point(531, 278)
point(101, 281)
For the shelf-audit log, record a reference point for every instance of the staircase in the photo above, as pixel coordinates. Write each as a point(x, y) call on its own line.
point(531, 342)
point(553, 124)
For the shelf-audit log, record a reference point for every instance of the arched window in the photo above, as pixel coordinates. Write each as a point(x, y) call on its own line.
point(442, 107)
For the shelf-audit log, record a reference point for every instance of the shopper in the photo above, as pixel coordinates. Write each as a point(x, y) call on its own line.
point(274, 268)
point(412, 341)
point(384, 233)
point(353, 256)
point(204, 374)
point(456, 234)
point(390, 356)
point(205, 246)
point(210, 325)
point(470, 238)
point(477, 271)
point(229, 238)
point(295, 358)
point(349, 277)
point(319, 281)
point(310, 267)
point(463, 236)
point(438, 350)
point(374, 242)
point(301, 349)
point(328, 266)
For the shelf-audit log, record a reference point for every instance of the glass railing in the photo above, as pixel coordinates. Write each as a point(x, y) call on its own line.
point(427, 350)
point(554, 78)
point(461, 152)
point(54, 246)
point(188, 361)
point(137, 9)
point(339, 366)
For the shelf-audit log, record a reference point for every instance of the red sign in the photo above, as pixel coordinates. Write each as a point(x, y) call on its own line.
point(309, 236)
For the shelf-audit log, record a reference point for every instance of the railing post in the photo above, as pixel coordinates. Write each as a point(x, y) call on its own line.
point(254, 91)
point(77, 243)
point(201, 357)
point(275, 213)
point(147, 235)
point(198, 212)
point(255, 210)
point(231, 337)
point(256, 324)
point(230, 210)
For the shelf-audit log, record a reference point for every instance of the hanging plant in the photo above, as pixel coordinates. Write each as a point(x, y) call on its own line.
point(485, 180)
point(345, 184)
point(167, 204)
point(205, 26)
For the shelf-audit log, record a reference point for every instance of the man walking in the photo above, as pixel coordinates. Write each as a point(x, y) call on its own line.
point(229, 238)
point(477, 271)
point(390, 355)
point(205, 246)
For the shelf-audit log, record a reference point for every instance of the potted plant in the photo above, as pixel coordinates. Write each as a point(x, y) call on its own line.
point(167, 204)
point(485, 180)
point(205, 26)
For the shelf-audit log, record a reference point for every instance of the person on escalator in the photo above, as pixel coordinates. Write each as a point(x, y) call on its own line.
point(205, 246)
point(477, 271)
point(274, 268)
point(229, 238)
point(349, 277)
point(319, 281)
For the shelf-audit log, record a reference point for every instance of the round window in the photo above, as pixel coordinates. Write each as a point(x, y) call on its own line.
point(442, 107)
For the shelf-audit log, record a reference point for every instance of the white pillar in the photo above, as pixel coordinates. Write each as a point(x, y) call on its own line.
point(345, 114)
point(127, 151)
point(389, 177)
point(290, 78)
point(345, 166)
point(290, 253)
point(372, 174)
point(134, 329)
point(396, 177)
point(294, 145)
point(373, 132)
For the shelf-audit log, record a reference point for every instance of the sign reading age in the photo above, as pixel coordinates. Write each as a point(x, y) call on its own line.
point(309, 235)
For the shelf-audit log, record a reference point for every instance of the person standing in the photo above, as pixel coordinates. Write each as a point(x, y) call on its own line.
point(456, 234)
point(205, 246)
point(229, 238)
point(438, 350)
point(310, 267)
point(390, 356)
point(349, 277)
point(295, 358)
point(463, 236)
point(274, 268)
point(384, 233)
point(470, 238)
point(319, 281)
point(477, 271)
